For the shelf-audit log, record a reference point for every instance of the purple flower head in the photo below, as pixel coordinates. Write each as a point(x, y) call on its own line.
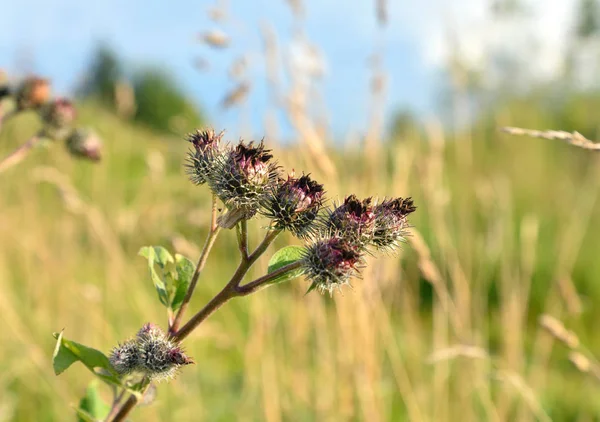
point(391, 221)
point(84, 144)
point(32, 93)
point(294, 205)
point(160, 358)
point(59, 113)
point(58, 117)
point(178, 357)
point(330, 263)
point(151, 353)
point(124, 358)
point(250, 164)
point(242, 180)
point(354, 220)
point(149, 331)
point(206, 151)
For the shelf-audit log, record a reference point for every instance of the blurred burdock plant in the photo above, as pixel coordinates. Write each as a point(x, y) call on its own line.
point(57, 117)
point(247, 180)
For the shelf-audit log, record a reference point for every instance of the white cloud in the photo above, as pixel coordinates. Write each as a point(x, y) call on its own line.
point(543, 31)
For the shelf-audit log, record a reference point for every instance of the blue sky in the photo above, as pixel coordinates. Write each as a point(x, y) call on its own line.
point(57, 37)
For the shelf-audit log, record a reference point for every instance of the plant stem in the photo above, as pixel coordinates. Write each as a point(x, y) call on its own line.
point(263, 281)
point(128, 406)
point(242, 232)
point(260, 249)
point(229, 291)
point(210, 241)
point(114, 408)
point(223, 296)
point(19, 154)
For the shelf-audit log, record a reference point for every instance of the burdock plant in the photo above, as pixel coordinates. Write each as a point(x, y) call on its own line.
point(57, 117)
point(247, 181)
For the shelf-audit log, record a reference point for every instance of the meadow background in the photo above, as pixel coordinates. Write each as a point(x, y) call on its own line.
point(506, 232)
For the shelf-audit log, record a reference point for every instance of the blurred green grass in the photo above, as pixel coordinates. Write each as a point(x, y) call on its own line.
point(509, 224)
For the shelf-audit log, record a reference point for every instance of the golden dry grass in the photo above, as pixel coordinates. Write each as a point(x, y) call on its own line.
point(446, 331)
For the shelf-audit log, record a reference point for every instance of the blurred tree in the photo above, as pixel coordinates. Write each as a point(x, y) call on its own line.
point(404, 125)
point(162, 105)
point(587, 19)
point(103, 75)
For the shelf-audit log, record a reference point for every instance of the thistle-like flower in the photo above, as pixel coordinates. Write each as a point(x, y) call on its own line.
point(150, 331)
point(58, 116)
point(202, 159)
point(330, 263)
point(354, 221)
point(242, 179)
point(391, 221)
point(85, 144)
point(150, 353)
point(125, 358)
point(32, 93)
point(159, 358)
point(294, 205)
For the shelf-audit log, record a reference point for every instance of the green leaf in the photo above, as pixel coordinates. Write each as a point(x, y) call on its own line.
point(67, 352)
point(158, 255)
point(285, 256)
point(184, 272)
point(83, 416)
point(91, 407)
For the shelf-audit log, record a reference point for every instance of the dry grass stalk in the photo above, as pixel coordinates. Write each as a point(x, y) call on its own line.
point(216, 39)
point(584, 364)
point(218, 12)
point(236, 96)
point(238, 67)
point(570, 296)
point(19, 154)
point(431, 273)
point(125, 99)
point(297, 8)
point(575, 138)
point(526, 392)
point(460, 350)
point(382, 13)
point(557, 329)
point(76, 205)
